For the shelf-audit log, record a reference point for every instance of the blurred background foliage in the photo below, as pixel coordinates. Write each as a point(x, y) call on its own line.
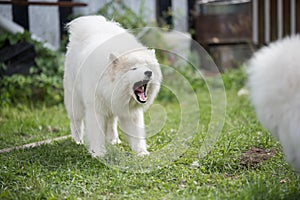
point(43, 85)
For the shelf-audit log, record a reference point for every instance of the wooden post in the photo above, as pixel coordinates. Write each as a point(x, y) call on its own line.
point(20, 14)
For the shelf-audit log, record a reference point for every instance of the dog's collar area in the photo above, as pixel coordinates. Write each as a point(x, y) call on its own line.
point(140, 91)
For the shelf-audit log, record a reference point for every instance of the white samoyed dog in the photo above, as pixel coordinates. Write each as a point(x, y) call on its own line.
point(109, 76)
point(274, 80)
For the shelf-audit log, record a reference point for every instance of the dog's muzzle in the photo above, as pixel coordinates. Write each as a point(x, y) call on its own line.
point(140, 91)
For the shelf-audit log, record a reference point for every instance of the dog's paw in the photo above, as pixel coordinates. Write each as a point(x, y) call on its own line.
point(99, 154)
point(77, 140)
point(143, 153)
point(115, 141)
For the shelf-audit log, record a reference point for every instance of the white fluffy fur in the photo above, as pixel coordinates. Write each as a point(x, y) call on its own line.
point(274, 80)
point(103, 62)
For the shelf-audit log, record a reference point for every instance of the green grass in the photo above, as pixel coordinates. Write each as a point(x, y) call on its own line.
point(21, 124)
point(64, 170)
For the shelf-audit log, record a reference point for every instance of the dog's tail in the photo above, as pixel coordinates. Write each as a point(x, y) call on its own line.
point(83, 27)
point(94, 27)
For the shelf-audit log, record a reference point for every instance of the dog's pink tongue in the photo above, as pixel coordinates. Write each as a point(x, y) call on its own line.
point(142, 96)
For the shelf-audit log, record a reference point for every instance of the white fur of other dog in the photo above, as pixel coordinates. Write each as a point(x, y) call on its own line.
point(274, 80)
point(109, 76)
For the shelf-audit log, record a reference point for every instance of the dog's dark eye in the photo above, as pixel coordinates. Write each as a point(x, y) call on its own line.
point(134, 68)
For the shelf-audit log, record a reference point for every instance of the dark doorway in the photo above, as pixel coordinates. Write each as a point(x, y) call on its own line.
point(164, 13)
point(20, 15)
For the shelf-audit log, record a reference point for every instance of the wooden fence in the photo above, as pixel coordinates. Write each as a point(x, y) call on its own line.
point(274, 19)
point(257, 21)
point(231, 32)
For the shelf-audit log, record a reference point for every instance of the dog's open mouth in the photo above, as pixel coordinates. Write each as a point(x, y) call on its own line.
point(140, 91)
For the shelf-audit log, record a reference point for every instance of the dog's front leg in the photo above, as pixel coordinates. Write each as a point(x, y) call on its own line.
point(134, 129)
point(95, 135)
point(112, 130)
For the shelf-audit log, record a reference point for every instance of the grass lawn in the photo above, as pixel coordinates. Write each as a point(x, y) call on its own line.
point(245, 163)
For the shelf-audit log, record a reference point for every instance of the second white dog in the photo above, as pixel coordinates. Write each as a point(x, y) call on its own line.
point(274, 80)
point(109, 75)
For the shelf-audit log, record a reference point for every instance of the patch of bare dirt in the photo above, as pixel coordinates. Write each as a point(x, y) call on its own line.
point(254, 156)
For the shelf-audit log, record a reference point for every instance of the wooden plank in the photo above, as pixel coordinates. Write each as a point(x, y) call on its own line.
point(293, 15)
point(280, 18)
point(286, 17)
point(43, 3)
point(254, 17)
point(297, 2)
point(261, 22)
point(20, 15)
point(64, 14)
point(267, 21)
point(274, 20)
point(34, 144)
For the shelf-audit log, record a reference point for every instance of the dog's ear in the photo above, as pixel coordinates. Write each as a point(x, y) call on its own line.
point(113, 59)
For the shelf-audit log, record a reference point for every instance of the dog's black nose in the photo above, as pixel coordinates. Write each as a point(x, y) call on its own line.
point(148, 73)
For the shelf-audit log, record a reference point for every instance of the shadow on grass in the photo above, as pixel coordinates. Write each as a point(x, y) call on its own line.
point(63, 154)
